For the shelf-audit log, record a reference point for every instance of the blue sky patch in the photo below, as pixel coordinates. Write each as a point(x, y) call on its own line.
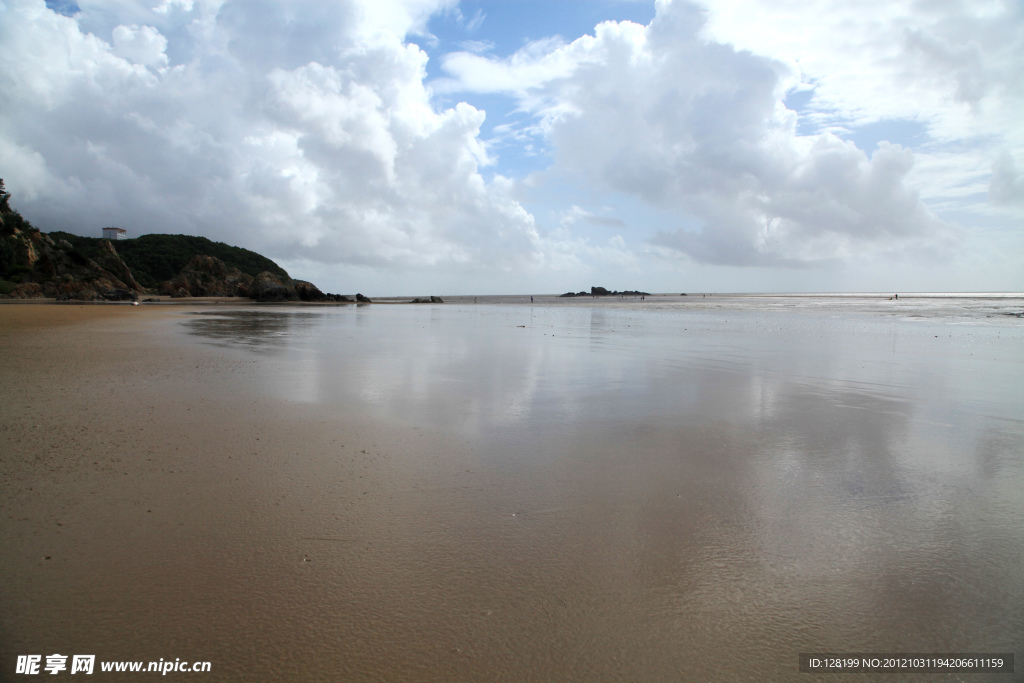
point(68, 8)
point(912, 134)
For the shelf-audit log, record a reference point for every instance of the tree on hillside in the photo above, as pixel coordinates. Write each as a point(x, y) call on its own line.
point(5, 197)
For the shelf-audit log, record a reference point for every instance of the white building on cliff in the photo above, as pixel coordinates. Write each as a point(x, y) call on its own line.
point(115, 234)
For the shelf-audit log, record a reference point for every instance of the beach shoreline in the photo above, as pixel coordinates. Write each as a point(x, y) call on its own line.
point(498, 492)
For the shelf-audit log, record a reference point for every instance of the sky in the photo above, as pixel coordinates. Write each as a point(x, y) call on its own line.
point(407, 147)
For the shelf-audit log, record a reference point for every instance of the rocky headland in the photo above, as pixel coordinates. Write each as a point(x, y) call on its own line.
point(63, 266)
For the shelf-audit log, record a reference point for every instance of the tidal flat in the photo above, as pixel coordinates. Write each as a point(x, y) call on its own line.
point(574, 490)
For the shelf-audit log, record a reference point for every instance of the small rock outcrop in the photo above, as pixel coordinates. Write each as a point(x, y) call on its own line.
point(119, 295)
point(269, 287)
point(307, 291)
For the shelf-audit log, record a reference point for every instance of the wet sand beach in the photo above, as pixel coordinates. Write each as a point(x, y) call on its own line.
point(495, 491)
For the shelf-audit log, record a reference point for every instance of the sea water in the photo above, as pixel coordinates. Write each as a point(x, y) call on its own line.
point(687, 486)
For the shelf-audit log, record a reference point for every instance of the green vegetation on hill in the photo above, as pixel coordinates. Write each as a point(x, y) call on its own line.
point(156, 258)
point(11, 223)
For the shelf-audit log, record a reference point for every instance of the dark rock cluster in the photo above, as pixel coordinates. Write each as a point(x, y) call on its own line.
point(601, 291)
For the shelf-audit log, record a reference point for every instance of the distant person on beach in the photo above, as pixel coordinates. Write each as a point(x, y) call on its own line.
point(531, 299)
point(897, 297)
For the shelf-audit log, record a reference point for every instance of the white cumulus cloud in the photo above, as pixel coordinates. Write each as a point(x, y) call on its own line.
point(663, 113)
point(140, 44)
point(300, 129)
point(736, 136)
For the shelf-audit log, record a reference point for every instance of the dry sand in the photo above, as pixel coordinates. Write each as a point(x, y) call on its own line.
point(161, 498)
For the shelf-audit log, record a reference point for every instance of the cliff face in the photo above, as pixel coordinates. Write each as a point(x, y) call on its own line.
point(207, 276)
point(65, 274)
point(110, 261)
point(34, 266)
